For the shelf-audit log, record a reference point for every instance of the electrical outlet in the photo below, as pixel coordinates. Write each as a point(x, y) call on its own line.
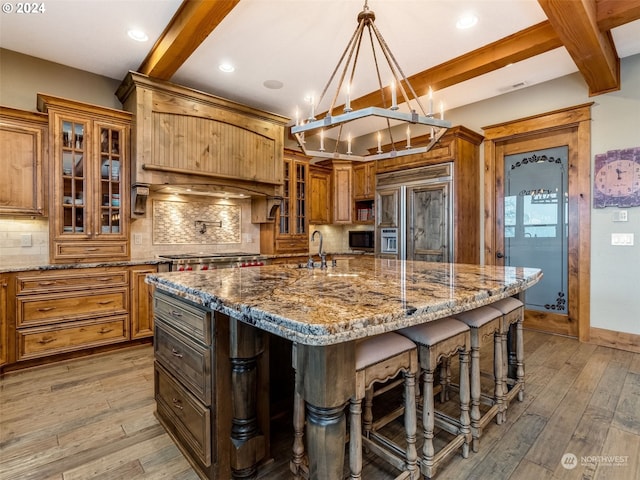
point(624, 239)
point(137, 238)
point(25, 240)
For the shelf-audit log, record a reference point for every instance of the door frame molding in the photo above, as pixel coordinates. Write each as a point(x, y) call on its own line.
point(575, 122)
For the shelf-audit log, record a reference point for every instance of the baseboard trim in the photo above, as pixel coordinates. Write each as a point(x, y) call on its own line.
point(620, 340)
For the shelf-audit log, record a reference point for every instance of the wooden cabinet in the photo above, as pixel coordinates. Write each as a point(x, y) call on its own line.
point(89, 191)
point(193, 383)
point(342, 192)
point(290, 231)
point(75, 309)
point(23, 154)
point(4, 305)
point(141, 303)
point(364, 180)
point(364, 189)
point(320, 188)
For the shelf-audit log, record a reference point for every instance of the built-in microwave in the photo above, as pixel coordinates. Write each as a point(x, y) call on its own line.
point(361, 239)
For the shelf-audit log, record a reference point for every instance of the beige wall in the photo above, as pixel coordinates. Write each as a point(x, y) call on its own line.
point(23, 77)
point(615, 271)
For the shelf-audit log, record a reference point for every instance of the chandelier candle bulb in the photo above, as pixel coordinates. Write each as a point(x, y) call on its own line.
point(394, 97)
point(379, 143)
point(430, 101)
point(347, 107)
point(349, 144)
point(322, 140)
point(408, 138)
point(312, 117)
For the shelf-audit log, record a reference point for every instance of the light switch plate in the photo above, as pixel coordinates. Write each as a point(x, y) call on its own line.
point(620, 216)
point(622, 239)
point(137, 238)
point(25, 240)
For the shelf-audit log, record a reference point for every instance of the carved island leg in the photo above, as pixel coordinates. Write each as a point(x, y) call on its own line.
point(247, 441)
point(328, 385)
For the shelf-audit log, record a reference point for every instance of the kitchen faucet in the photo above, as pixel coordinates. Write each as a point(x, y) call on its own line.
point(323, 255)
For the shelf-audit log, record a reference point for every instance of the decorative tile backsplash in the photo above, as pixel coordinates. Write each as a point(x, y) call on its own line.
point(182, 223)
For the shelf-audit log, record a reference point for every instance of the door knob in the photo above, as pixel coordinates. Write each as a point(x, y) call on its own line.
point(499, 255)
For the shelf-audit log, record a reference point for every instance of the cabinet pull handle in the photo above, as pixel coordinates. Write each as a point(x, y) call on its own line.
point(177, 404)
point(46, 340)
point(94, 249)
point(105, 302)
point(175, 313)
point(104, 279)
point(46, 309)
point(105, 330)
point(176, 353)
point(45, 284)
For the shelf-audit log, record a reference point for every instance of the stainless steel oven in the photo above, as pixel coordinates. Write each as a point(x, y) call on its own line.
point(197, 261)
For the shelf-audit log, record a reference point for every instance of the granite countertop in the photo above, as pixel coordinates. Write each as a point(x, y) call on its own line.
point(27, 266)
point(359, 297)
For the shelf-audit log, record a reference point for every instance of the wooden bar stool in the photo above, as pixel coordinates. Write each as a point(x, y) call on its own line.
point(378, 359)
point(485, 325)
point(512, 311)
point(438, 340)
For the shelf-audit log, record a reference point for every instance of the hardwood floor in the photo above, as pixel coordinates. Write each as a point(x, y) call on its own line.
point(92, 418)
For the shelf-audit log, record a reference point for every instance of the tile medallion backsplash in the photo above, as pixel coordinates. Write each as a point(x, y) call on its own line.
point(182, 223)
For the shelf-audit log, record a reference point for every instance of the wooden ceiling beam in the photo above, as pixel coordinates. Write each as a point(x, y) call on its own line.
point(527, 43)
point(592, 51)
point(614, 13)
point(191, 24)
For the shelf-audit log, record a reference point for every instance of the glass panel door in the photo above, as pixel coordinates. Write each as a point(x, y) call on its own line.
point(536, 223)
point(73, 178)
point(301, 195)
point(110, 181)
point(286, 198)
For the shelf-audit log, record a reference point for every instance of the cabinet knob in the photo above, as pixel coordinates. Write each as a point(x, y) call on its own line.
point(499, 255)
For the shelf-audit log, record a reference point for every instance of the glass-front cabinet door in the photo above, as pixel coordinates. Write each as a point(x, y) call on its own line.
point(110, 181)
point(74, 180)
point(89, 183)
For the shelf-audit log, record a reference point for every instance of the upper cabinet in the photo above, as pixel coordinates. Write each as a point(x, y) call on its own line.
point(183, 136)
point(89, 182)
point(290, 231)
point(364, 180)
point(320, 188)
point(23, 147)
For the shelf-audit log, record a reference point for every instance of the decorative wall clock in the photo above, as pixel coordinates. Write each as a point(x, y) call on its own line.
point(617, 179)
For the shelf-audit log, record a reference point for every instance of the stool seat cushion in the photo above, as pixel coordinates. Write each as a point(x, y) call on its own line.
point(507, 305)
point(370, 351)
point(478, 317)
point(430, 333)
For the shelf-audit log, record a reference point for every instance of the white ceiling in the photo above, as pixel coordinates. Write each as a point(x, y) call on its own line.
point(295, 42)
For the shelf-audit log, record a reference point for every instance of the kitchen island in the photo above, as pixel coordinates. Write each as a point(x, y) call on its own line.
point(323, 311)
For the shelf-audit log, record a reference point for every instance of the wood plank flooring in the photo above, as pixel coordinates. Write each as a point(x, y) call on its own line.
point(92, 418)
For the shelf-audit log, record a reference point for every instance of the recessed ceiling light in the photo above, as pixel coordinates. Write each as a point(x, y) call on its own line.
point(273, 84)
point(137, 35)
point(226, 67)
point(467, 20)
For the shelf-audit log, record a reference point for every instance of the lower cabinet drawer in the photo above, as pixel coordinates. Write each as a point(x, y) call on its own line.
point(182, 316)
point(187, 417)
point(65, 337)
point(46, 308)
point(185, 359)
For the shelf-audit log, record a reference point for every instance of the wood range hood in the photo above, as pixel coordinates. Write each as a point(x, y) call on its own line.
point(187, 141)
